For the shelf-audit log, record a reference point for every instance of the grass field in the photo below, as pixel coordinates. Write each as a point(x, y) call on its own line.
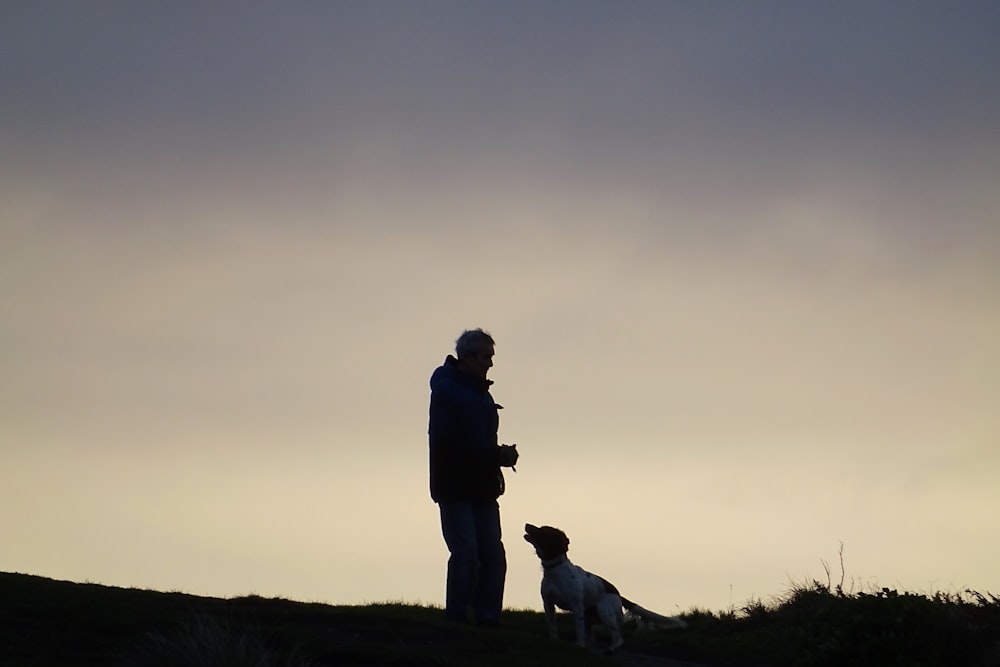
point(53, 623)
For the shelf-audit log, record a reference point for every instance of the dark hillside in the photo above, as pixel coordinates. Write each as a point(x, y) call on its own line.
point(51, 623)
point(47, 623)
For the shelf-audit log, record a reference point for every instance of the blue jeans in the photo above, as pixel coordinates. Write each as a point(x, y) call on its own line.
point(477, 566)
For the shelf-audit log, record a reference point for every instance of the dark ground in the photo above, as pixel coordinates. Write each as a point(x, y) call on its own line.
point(48, 623)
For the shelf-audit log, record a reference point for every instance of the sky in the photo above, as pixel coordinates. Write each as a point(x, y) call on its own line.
point(741, 261)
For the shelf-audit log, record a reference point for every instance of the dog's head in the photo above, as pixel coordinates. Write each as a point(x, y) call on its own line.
point(549, 542)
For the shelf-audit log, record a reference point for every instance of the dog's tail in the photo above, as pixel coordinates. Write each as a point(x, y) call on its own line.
point(651, 617)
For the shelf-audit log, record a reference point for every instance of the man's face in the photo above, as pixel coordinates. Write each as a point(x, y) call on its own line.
point(479, 361)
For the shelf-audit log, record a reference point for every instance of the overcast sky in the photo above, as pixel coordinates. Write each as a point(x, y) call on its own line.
point(741, 260)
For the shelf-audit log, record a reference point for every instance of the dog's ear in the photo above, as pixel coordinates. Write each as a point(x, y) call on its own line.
point(528, 528)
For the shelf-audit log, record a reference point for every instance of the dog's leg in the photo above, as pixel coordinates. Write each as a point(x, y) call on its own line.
point(550, 616)
point(609, 610)
point(580, 620)
point(616, 639)
point(591, 619)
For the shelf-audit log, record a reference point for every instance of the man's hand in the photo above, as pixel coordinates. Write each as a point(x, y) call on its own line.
point(507, 456)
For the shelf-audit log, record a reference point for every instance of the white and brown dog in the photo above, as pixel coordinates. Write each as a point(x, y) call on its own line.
point(589, 597)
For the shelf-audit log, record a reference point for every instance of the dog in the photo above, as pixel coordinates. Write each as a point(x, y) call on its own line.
point(589, 597)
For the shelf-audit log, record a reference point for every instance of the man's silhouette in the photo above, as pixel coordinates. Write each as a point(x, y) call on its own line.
point(465, 478)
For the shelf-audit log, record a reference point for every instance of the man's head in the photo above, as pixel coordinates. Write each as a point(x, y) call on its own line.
point(474, 349)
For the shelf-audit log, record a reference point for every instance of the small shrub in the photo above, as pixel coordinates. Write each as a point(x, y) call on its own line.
point(208, 641)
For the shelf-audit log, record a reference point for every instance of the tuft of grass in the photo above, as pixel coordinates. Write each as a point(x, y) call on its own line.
point(816, 626)
point(212, 641)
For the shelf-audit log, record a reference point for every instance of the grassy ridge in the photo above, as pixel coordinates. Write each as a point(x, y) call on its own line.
point(52, 623)
point(813, 626)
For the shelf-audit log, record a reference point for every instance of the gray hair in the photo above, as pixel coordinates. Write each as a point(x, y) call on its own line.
point(472, 340)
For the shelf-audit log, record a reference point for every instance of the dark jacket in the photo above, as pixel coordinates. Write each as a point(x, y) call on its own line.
point(463, 427)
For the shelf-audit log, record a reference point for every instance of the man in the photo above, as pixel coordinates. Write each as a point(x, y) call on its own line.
point(466, 480)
